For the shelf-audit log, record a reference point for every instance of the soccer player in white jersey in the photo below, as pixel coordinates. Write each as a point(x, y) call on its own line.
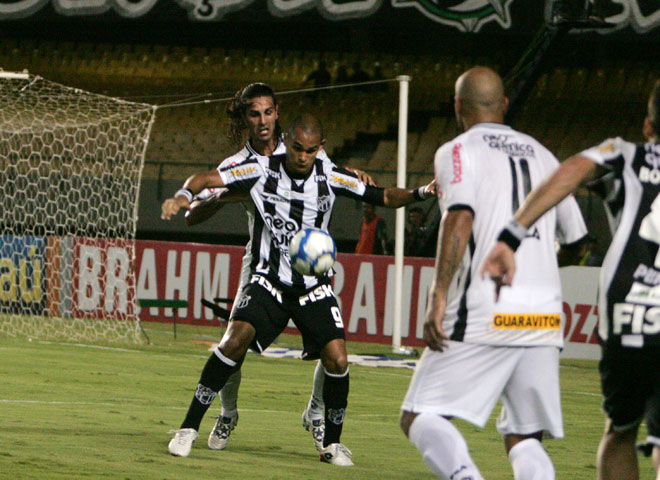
point(478, 350)
point(292, 191)
point(628, 322)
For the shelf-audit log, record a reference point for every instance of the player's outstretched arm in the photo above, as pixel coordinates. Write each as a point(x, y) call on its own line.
point(202, 210)
point(363, 176)
point(500, 264)
point(455, 230)
point(400, 197)
point(183, 197)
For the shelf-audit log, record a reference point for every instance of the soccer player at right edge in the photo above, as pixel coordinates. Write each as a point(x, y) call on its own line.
point(480, 351)
point(629, 317)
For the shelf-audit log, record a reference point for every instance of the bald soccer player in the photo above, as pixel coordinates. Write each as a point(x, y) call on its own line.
point(481, 349)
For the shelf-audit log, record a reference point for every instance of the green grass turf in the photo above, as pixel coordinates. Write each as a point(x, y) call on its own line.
point(75, 412)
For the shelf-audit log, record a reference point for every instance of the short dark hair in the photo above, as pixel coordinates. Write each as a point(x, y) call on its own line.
point(308, 123)
point(654, 107)
point(239, 105)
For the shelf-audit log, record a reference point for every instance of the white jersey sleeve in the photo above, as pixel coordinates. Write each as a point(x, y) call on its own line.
point(454, 177)
point(610, 152)
point(570, 223)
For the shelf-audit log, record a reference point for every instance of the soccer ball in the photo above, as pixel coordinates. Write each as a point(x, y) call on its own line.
point(312, 252)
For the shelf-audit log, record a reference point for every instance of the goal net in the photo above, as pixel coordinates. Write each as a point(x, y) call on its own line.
point(70, 167)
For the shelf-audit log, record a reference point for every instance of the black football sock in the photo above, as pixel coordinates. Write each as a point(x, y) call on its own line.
point(335, 397)
point(214, 376)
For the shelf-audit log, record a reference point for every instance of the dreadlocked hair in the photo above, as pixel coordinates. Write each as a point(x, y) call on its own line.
point(238, 107)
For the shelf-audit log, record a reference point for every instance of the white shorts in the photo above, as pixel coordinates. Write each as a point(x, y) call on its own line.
point(466, 381)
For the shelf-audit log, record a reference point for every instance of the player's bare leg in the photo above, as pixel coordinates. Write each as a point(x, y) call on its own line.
point(617, 458)
point(656, 461)
point(442, 446)
point(225, 359)
point(335, 397)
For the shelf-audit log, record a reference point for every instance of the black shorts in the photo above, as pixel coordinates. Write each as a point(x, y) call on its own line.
point(268, 309)
point(652, 418)
point(630, 378)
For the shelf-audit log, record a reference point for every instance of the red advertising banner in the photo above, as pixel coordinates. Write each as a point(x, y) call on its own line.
point(101, 280)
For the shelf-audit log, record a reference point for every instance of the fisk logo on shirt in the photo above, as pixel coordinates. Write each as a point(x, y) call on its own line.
point(457, 167)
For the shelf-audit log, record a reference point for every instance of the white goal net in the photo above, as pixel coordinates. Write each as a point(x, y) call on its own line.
point(70, 166)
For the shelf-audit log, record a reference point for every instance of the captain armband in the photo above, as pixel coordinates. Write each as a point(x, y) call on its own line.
point(512, 235)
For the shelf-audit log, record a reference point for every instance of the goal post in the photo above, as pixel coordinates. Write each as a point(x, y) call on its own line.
point(70, 168)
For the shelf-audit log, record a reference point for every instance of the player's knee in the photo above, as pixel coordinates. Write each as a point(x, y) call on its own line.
point(336, 364)
point(235, 342)
point(405, 421)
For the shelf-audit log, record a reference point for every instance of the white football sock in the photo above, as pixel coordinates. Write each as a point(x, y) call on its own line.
point(530, 461)
point(316, 407)
point(443, 448)
point(229, 395)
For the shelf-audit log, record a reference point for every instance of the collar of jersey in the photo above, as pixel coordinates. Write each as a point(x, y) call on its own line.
point(248, 145)
point(492, 125)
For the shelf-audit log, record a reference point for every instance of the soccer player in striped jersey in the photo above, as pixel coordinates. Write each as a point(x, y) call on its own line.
point(479, 350)
point(291, 191)
point(628, 300)
point(255, 110)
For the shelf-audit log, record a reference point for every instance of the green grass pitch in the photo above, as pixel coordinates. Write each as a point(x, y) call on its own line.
point(86, 412)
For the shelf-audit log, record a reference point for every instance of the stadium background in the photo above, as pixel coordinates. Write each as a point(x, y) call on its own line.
point(591, 85)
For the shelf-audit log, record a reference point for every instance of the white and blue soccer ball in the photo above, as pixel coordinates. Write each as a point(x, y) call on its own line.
point(312, 252)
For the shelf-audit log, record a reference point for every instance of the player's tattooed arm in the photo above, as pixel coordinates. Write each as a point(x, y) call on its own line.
point(454, 235)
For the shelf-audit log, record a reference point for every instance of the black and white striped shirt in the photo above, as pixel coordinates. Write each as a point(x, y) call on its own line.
point(629, 287)
point(284, 205)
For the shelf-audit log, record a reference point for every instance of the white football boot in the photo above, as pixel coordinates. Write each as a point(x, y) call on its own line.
point(182, 442)
point(219, 436)
point(337, 454)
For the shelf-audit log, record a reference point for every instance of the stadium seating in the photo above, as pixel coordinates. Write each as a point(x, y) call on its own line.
point(569, 108)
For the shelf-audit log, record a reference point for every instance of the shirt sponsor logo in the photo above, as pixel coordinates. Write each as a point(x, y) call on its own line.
point(272, 173)
point(320, 178)
point(241, 172)
point(344, 182)
point(281, 230)
point(649, 175)
point(527, 321)
point(635, 319)
point(274, 198)
point(456, 163)
point(504, 144)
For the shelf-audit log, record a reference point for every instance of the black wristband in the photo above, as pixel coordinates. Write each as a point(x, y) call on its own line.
point(513, 234)
point(418, 196)
point(509, 238)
